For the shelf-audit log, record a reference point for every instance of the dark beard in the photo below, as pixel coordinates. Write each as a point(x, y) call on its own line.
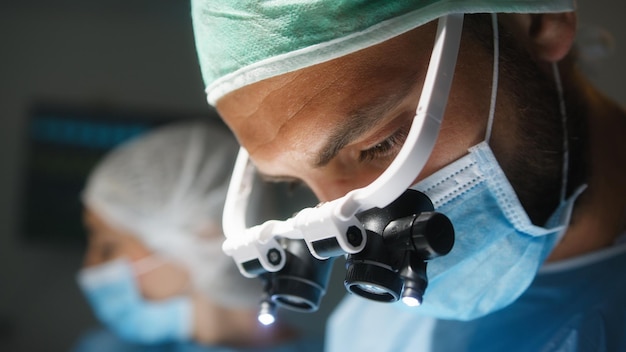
point(533, 158)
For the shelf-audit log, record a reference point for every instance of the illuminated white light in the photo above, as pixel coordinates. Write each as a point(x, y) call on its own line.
point(411, 301)
point(266, 319)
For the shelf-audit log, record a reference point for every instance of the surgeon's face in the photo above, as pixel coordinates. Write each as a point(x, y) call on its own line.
point(337, 125)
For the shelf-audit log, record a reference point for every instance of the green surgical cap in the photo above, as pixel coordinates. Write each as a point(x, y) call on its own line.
point(240, 42)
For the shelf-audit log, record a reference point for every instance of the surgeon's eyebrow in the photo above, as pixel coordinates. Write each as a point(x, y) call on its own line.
point(357, 123)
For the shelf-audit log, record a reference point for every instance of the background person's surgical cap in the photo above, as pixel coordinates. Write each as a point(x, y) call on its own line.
point(168, 187)
point(240, 42)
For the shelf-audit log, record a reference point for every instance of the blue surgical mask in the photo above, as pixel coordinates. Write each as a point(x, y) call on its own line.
point(497, 250)
point(112, 292)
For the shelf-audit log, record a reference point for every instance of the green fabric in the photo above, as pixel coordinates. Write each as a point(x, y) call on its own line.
point(240, 42)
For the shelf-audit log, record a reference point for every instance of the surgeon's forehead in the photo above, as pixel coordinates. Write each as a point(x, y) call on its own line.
point(338, 87)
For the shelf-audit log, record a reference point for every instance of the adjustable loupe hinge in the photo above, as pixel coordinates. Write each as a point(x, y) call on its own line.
point(255, 257)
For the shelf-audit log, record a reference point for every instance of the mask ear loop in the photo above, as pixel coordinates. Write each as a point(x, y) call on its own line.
point(495, 75)
point(563, 111)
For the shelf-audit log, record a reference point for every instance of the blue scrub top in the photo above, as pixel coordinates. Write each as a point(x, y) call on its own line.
point(573, 305)
point(102, 340)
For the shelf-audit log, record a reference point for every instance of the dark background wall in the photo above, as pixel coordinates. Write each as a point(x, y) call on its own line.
point(116, 56)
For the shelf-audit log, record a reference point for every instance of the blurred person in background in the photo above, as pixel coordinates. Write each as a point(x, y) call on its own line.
point(154, 273)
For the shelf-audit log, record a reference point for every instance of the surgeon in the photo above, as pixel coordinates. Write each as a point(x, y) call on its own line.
point(154, 272)
point(528, 164)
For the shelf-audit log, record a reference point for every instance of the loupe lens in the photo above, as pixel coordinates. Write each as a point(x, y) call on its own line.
point(371, 288)
point(294, 301)
point(302, 282)
point(373, 282)
point(297, 294)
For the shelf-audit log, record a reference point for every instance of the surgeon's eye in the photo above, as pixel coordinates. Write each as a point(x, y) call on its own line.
point(386, 148)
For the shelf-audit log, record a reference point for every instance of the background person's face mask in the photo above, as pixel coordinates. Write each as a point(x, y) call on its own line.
point(112, 292)
point(497, 249)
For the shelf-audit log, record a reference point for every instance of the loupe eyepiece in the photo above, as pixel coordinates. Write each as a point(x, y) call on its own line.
point(302, 282)
point(400, 239)
point(370, 274)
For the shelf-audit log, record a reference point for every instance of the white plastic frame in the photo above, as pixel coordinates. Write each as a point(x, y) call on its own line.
point(332, 219)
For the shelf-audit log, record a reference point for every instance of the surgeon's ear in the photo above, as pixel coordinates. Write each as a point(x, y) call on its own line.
point(548, 37)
